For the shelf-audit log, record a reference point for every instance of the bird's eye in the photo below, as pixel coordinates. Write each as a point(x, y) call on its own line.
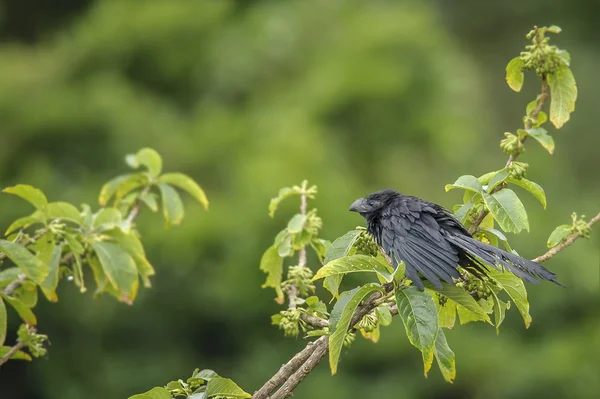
point(371, 203)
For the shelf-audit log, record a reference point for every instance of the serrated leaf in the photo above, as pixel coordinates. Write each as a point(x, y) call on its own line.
point(283, 194)
point(499, 311)
point(119, 268)
point(508, 210)
point(558, 235)
point(542, 137)
point(188, 184)
point(341, 246)
point(24, 312)
point(296, 224)
point(352, 264)
point(25, 260)
point(462, 299)
point(535, 189)
point(272, 264)
point(419, 315)
point(445, 357)
point(341, 315)
point(19, 355)
point(563, 93)
point(465, 182)
point(219, 386)
point(172, 205)
point(154, 393)
point(29, 193)
point(3, 321)
point(63, 210)
point(107, 217)
point(515, 288)
point(514, 74)
point(146, 157)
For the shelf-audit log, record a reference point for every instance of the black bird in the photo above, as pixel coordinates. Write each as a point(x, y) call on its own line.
point(432, 242)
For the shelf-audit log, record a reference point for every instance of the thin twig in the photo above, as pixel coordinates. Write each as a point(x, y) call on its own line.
point(554, 250)
point(12, 287)
point(291, 289)
point(528, 125)
point(11, 352)
point(138, 205)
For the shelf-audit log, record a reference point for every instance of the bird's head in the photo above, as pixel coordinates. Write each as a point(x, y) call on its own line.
point(373, 203)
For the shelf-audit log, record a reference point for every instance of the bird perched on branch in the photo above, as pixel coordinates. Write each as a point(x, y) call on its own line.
point(433, 243)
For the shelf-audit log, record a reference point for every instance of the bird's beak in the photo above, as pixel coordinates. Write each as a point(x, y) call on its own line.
point(360, 206)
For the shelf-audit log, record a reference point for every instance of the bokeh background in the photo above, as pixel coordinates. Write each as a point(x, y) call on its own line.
point(249, 96)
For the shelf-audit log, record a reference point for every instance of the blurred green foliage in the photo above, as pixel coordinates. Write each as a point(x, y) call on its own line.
point(247, 97)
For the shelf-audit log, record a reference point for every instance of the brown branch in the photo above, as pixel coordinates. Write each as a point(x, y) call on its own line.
point(138, 205)
point(18, 346)
point(286, 371)
point(528, 125)
point(321, 346)
point(314, 320)
point(553, 251)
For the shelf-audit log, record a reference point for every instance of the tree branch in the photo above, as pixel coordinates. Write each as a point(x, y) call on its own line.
point(12, 287)
point(18, 346)
point(554, 250)
point(528, 125)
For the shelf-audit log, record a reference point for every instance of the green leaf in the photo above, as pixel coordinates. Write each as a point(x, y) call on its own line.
point(150, 200)
point(296, 224)
point(532, 187)
point(384, 316)
point(186, 183)
point(558, 235)
point(219, 386)
point(154, 393)
point(447, 314)
point(109, 189)
point(272, 264)
point(445, 357)
point(27, 293)
point(419, 315)
point(25, 222)
point(485, 179)
point(462, 212)
point(332, 284)
point(352, 264)
point(63, 210)
point(108, 218)
point(508, 210)
point(466, 182)
point(542, 137)
point(283, 194)
point(29, 193)
point(172, 205)
point(341, 246)
point(499, 311)
point(127, 185)
point(3, 321)
point(498, 178)
point(24, 312)
point(514, 74)
point(515, 288)
point(120, 269)
point(29, 264)
point(74, 243)
point(50, 283)
point(19, 355)
point(565, 57)
point(563, 92)
point(146, 157)
point(132, 244)
point(8, 275)
point(341, 315)
point(284, 248)
point(462, 299)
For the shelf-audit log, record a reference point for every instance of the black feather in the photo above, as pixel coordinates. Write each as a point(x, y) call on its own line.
point(430, 241)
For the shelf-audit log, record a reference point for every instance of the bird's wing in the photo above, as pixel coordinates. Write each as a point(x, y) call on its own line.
point(410, 233)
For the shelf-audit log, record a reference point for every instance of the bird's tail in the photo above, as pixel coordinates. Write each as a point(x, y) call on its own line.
point(482, 254)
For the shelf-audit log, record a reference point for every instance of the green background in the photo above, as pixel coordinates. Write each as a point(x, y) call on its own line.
point(250, 96)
